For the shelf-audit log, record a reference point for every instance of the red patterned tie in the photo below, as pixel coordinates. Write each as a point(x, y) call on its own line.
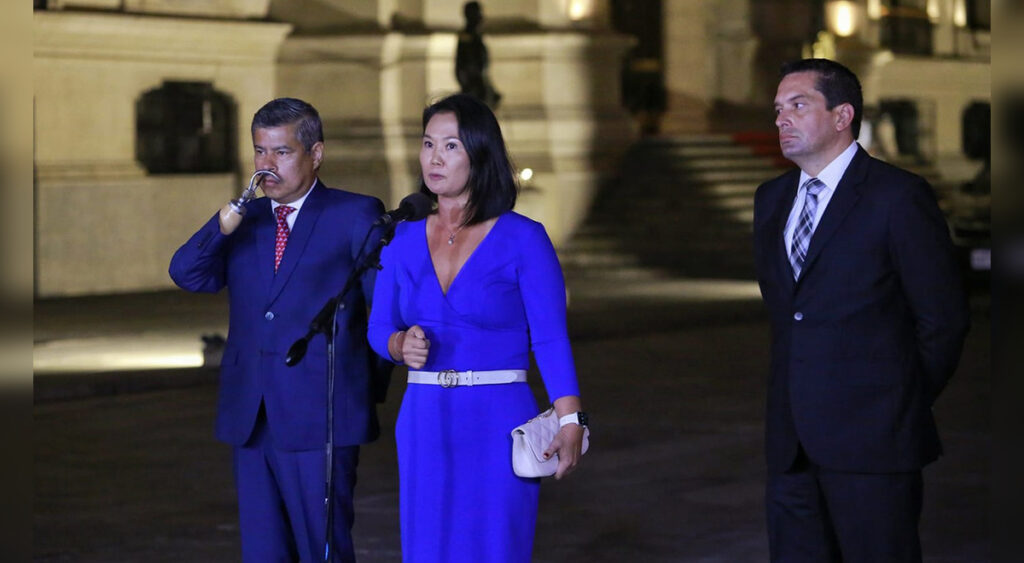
point(282, 233)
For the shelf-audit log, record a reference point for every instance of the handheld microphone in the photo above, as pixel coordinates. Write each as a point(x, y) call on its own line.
point(414, 207)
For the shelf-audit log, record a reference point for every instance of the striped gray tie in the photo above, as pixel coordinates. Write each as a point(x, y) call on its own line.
point(805, 226)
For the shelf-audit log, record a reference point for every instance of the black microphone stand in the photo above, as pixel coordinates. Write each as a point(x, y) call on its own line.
point(325, 322)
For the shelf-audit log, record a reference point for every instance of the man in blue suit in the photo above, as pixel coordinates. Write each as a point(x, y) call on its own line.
point(868, 317)
point(291, 252)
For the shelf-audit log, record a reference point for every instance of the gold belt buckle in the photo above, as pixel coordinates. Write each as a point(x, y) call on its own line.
point(448, 378)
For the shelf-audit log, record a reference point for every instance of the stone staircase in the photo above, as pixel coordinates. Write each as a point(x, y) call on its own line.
point(677, 218)
point(680, 207)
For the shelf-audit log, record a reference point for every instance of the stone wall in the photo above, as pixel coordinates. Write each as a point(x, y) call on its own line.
point(102, 224)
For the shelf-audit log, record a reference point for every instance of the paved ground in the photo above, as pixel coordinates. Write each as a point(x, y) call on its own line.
point(126, 468)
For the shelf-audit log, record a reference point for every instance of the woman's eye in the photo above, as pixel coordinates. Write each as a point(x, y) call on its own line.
point(452, 146)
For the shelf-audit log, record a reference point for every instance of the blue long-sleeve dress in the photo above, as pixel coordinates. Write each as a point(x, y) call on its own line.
point(460, 500)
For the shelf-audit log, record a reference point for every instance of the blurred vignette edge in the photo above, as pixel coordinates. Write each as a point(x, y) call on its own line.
point(16, 278)
point(1007, 492)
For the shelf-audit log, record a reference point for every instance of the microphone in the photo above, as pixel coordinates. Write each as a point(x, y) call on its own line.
point(414, 207)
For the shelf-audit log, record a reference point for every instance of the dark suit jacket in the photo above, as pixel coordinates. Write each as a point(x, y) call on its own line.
point(868, 338)
point(270, 311)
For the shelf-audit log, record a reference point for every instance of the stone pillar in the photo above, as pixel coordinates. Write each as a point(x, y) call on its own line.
point(689, 58)
point(560, 112)
point(562, 118)
point(735, 49)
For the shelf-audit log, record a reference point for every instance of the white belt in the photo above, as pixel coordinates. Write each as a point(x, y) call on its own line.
point(451, 378)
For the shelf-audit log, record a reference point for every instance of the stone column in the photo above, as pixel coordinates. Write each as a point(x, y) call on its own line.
point(735, 49)
point(560, 112)
point(688, 56)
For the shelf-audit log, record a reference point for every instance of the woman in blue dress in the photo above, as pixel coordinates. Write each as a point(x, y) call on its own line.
point(463, 298)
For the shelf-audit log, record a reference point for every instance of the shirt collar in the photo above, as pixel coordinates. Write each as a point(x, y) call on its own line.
point(297, 204)
point(833, 173)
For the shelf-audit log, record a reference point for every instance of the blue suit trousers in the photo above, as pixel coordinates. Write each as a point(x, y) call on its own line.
point(281, 500)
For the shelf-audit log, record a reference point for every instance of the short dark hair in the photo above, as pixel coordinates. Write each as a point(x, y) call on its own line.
point(492, 177)
point(837, 83)
point(286, 111)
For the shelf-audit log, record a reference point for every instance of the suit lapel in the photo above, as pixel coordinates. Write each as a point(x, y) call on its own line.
point(297, 239)
point(266, 236)
point(782, 210)
point(845, 197)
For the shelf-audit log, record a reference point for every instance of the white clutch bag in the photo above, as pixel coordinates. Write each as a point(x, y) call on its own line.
point(530, 439)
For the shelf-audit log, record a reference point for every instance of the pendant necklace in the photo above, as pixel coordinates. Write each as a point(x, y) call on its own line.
point(451, 236)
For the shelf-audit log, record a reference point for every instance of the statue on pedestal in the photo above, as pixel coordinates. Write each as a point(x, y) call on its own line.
point(472, 61)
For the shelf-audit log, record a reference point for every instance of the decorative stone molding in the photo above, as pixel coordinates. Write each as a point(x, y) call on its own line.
point(155, 39)
point(71, 171)
point(201, 8)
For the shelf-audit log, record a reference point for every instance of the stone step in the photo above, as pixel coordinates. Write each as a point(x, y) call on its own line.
point(755, 175)
point(707, 150)
point(587, 259)
point(693, 199)
point(727, 233)
point(680, 206)
point(761, 164)
point(581, 242)
point(731, 189)
point(687, 140)
point(624, 275)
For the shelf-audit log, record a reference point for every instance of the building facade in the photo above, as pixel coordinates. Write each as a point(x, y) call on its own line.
point(142, 107)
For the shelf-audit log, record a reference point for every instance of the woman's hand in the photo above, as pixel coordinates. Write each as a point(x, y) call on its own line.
point(568, 443)
point(414, 346)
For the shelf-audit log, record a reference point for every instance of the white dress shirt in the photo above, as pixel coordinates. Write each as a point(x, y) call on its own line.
point(297, 205)
point(830, 176)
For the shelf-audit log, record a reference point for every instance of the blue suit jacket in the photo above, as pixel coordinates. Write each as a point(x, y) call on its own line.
point(270, 311)
point(869, 336)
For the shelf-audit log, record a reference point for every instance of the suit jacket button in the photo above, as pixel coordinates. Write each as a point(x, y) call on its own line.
point(798, 316)
point(269, 316)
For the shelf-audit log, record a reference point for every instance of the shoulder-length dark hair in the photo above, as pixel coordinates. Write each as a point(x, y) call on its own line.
point(492, 178)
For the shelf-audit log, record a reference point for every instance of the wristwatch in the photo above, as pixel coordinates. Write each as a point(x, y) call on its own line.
point(578, 417)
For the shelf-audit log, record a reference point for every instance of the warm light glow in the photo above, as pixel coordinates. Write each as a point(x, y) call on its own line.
point(525, 174)
point(934, 10)
point(874, 9)
point(842, 18)
point(121, 353)
point(580, 9)
point(676, 290)
point(824, 47)
point(960, 13)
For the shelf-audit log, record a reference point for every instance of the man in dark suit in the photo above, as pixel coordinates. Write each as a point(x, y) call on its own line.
point(868, 317)
point(281, 261)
